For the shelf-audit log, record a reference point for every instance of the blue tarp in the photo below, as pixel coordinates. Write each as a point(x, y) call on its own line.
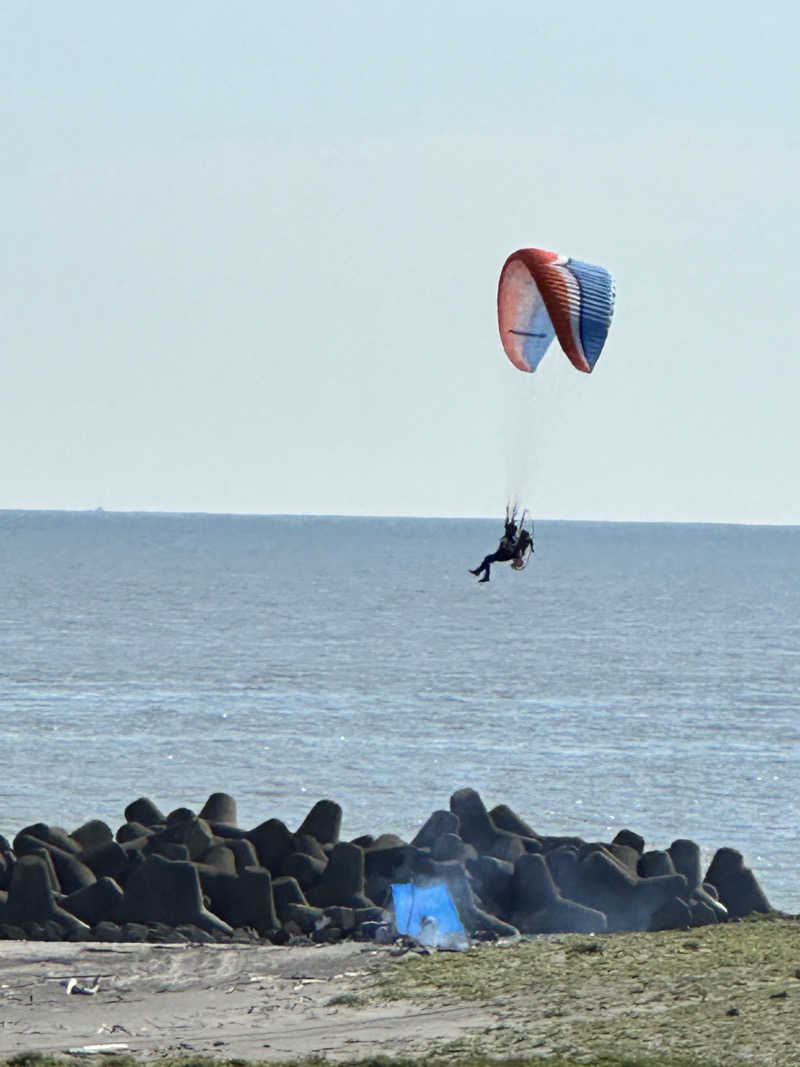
point(427, 913)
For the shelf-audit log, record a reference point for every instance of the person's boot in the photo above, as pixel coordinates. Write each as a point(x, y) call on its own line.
point(485, 578)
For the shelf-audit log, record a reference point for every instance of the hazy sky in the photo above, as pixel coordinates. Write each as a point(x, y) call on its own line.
point(251, 249)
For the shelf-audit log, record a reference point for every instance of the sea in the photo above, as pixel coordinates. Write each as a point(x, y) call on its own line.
point(633, 675)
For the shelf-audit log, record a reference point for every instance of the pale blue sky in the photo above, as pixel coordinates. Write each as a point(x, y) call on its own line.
point(250, 257)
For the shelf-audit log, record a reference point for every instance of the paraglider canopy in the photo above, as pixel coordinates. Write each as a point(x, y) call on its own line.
point(542, 295)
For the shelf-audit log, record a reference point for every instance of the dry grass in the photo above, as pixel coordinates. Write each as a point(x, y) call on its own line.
point(717, 995)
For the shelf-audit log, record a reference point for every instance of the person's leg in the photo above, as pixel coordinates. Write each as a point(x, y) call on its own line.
point(487, 565)
point(482, 566)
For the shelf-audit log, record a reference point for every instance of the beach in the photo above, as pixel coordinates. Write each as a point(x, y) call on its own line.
point(718, 994)
point(255, 1002)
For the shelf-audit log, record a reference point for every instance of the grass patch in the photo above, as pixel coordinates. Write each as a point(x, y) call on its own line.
point(718, 996)
point(767, 948)
point(345, 1000)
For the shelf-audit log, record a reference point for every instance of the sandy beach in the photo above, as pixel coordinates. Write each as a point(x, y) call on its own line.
point(256, 1002)
point(717, 994)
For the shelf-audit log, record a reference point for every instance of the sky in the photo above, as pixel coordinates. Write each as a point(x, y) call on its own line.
point(250, 254)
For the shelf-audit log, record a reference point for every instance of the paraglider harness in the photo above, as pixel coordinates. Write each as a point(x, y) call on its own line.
point(524, 540)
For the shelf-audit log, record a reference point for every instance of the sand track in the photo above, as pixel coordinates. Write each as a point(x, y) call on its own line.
point(260, 1002)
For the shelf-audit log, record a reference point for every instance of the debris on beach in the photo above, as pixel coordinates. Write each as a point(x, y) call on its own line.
point(72, 986)
point(427, 914)
point(110, 1049)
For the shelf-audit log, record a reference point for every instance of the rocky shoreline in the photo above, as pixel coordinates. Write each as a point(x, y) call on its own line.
point(196, 877)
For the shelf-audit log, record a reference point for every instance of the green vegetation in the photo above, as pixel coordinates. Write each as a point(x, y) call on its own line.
point(717, 996)
point(767, 946)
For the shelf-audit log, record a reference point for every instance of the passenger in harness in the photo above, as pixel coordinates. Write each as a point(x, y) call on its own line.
point(523, 550)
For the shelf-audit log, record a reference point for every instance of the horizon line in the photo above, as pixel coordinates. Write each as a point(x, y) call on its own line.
point(155, 512)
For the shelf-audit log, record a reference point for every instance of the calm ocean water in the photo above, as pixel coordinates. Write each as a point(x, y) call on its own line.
point(634, 675)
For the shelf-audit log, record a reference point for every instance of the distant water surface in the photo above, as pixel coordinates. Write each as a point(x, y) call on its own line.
point(636, 675)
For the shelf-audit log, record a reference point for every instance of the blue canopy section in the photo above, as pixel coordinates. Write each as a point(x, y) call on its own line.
point(596, 308)
point(418, 910)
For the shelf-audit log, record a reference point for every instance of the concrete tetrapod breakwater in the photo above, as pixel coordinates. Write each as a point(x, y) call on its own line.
point(189, 876)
